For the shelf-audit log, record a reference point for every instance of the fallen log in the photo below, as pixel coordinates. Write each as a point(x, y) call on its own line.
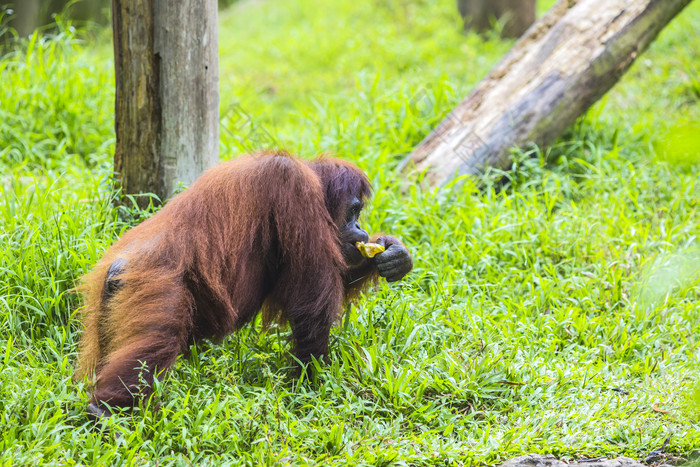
point(562, 65)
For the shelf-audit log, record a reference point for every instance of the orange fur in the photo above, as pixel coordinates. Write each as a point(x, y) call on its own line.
point(258, 230)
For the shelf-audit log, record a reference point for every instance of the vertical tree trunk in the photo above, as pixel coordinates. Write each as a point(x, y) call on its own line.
point(26, 18)
point(89, 10)
point(167, 93)
point(518, 15)
point(49, 8)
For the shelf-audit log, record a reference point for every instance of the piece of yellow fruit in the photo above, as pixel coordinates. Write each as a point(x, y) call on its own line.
point(369, 250)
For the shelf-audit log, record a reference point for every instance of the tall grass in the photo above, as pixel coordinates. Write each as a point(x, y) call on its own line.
point(553, 308)
point(55, 103)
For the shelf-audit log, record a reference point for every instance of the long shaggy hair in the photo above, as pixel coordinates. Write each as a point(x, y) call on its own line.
point(260, 231)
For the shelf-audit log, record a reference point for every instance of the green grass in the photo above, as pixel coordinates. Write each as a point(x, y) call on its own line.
point(545, 315)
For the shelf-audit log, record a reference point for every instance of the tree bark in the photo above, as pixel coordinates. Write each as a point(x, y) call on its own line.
point(553, 74)
point(167, 93)
point(26, 17)
point(517, 15)
point(89, 11)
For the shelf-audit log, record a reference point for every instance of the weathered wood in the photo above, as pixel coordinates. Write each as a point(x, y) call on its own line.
point(167, 99)
point(516, 15)
point(554, 73)
point(88, 10)
point(26, 17)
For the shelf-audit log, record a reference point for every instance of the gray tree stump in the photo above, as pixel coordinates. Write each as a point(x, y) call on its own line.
point(517, 15)
point(554, 73)
point(167, 99)
point(26, 18)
